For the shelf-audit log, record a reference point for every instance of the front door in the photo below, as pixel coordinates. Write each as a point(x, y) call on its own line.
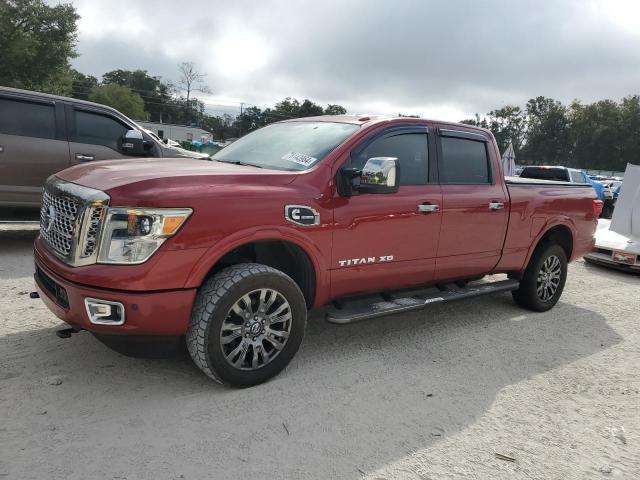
point(474, 206)
point(388, 241)
point(94, 135)
point(32, 147)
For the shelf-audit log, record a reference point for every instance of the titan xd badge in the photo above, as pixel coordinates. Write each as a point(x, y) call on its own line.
point(301, 215)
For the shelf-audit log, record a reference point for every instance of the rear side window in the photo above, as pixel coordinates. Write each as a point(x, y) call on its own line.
point(27, 119)
point(97, 129)
point(464, 161)
point(411, 150)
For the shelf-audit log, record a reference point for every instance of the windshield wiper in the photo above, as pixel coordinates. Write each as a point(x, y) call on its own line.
point(238, 162)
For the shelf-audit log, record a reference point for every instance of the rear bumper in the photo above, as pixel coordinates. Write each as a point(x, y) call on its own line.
point(603, 259)
point(147, 313)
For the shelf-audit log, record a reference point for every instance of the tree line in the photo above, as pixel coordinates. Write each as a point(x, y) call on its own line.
point(603, 135)
point(38, 41)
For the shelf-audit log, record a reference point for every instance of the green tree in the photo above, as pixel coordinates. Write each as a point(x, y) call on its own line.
point(36, 43)
point(549, 135)
point(81, 84)
point(597, 135)
point(156, 94)
point(121, 98)
point(335, 110)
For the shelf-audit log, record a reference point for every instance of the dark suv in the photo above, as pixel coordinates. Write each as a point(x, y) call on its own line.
point(42, 134)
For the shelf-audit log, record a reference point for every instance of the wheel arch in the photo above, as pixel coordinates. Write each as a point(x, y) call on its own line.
point(559, 233)
point(285, 253)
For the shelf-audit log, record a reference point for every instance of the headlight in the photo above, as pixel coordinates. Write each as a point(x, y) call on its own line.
point(132, 235)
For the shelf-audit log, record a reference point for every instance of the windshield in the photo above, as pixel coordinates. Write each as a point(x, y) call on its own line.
point(287, 146)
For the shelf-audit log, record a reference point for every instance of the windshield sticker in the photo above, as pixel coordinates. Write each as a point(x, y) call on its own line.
point(299, 158)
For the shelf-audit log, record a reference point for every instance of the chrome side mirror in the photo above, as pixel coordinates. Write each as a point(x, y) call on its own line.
point(380, 175)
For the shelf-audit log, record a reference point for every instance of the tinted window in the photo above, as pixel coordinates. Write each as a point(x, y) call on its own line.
point(464, 161)
point(546, 173)
point(27, 119)
point(409, 148)
point(98, 130)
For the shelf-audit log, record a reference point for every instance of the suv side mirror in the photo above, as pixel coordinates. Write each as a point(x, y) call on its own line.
point(380, 175)
point(133, 143)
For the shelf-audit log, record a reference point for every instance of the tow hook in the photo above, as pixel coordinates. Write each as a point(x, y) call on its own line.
point(67, 332)
point(34, 295)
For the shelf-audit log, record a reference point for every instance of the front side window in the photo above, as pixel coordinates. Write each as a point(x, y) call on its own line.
point(27, 119)
point(464, 161)
point(96, 129)
point(292, 146)
point(411, 150)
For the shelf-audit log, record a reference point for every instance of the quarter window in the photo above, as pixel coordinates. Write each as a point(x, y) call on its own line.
point(464, 161)
point(97, 129)
point(27, 119)
point(411, 150)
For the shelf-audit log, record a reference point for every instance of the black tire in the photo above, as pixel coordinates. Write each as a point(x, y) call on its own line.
point(213, 309)
point(527, 295)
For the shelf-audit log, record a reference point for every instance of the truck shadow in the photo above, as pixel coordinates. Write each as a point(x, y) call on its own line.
point(360, 395)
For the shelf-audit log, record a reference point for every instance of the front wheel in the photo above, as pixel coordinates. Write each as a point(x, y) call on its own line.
point(543, 280)
point(247, 323)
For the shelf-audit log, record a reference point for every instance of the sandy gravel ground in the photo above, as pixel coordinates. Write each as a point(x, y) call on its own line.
point(433, 395)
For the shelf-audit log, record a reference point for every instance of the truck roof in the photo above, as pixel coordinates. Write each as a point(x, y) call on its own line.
point(364, 119)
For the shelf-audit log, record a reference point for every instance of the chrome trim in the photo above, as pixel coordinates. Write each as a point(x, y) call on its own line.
point(87, 200)
point(428, 207)
point(95, 321)
point(316, 215)
point(496, 205)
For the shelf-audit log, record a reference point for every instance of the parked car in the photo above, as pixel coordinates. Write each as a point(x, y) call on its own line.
point(572, 175)
point(42, 134)
point(343, 211)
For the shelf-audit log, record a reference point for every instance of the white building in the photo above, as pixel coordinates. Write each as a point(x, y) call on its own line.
point(179, 133)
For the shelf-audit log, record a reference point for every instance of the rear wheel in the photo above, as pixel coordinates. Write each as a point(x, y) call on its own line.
point(543, 280)
point(247, 323)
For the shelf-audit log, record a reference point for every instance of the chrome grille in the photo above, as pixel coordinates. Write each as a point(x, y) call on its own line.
point(58, 216)
point(93, 229)
point(71, 219)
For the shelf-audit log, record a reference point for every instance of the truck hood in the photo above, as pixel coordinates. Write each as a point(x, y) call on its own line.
point(169, 172)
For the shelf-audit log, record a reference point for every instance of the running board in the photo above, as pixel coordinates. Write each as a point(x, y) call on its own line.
point(373, 307)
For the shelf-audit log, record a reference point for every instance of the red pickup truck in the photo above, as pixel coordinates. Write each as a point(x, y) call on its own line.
point(367, 216)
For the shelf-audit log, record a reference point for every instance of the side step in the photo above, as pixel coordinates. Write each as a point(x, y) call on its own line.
point(373, 307)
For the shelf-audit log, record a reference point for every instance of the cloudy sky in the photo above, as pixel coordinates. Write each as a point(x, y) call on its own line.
point(437, 59)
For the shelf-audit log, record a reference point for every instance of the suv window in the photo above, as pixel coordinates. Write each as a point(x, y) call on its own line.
point(411, 150)
point(27, 119)
point(464, 161)
point(97, 129)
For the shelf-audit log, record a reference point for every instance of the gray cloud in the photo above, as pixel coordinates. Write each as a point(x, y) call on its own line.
point(437, 59)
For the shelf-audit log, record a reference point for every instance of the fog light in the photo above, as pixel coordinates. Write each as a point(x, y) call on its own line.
point(104, 312)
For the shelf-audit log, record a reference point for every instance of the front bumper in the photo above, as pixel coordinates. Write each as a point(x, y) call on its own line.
point(147, 313)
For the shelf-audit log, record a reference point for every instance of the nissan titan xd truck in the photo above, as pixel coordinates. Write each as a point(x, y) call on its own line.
point(363, 216)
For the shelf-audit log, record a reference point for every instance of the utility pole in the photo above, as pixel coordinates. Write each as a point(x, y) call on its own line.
point(241, 107)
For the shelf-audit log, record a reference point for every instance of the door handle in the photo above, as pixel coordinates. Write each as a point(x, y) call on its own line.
point(83, 157)
point(428, 208)
point(496, 205)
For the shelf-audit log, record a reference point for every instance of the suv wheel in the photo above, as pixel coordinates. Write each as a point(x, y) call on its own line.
point(247, 323)
point(543, 280)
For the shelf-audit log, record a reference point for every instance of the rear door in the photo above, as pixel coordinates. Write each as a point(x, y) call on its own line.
point(474, 204)
point(33, 146)
point(94, 134)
